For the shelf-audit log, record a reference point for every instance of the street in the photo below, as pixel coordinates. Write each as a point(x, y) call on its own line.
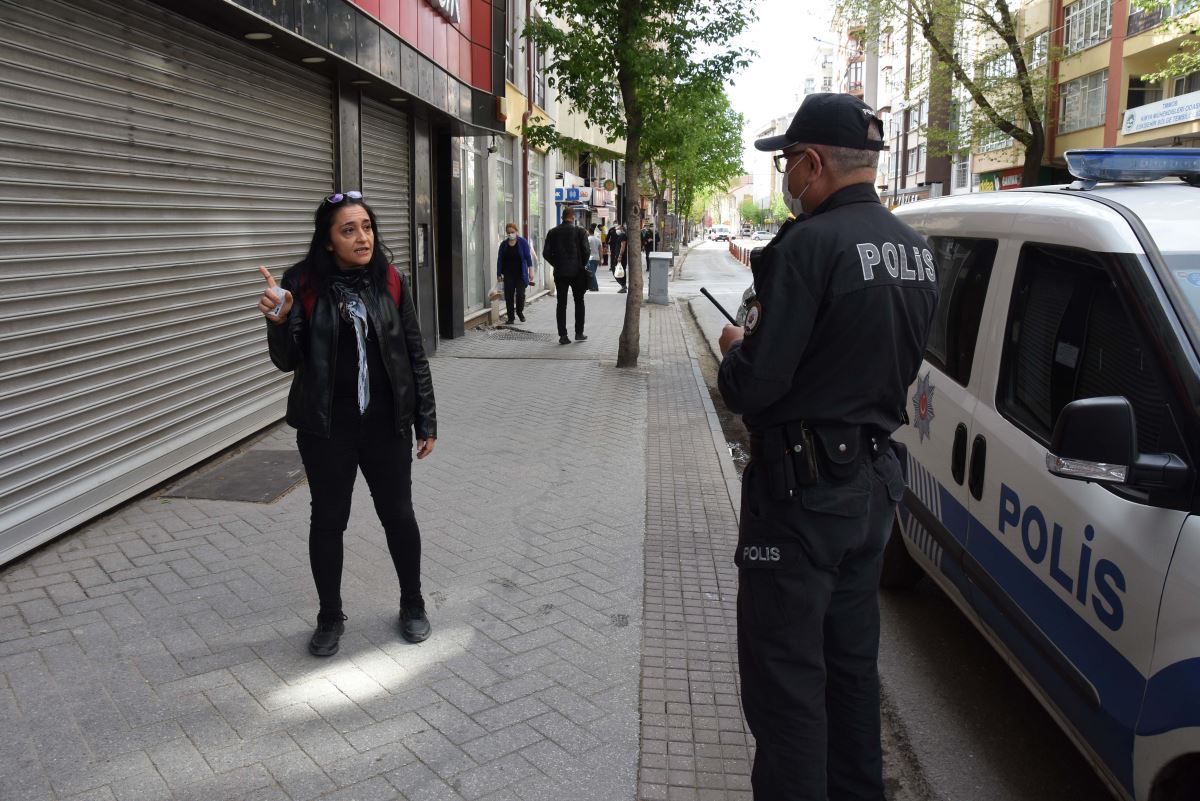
point(958, 722)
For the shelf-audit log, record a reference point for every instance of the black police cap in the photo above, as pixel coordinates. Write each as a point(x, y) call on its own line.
point(829, 118)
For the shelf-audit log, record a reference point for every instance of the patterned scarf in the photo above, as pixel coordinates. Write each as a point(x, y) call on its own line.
point(347, 291)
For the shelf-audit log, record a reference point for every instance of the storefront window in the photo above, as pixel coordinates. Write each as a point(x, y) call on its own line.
point(536, 200)
point(476, 253)
point(505, 183)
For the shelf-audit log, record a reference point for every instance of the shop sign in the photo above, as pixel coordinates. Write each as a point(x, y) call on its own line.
point(989, 182)
point(1183, 108)
point(609, 185)
point(447, 8)
point(1011, 179)
point(573, 194)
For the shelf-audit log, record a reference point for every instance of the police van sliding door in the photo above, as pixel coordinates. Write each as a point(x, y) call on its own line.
point(941, 406)
point(1071, 573)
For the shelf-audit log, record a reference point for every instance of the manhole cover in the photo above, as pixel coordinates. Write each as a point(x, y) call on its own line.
point(526, 336)
point(257, 476)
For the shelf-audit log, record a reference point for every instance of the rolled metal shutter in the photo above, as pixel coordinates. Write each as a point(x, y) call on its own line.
point(149, 166)
point(387, 176)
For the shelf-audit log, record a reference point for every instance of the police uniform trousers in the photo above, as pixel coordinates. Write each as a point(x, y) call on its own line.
point(808, 632)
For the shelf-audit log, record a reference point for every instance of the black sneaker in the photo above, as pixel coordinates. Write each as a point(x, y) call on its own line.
point(621, 290)
point(580, 337)
point(324, 641)
point(564, 340)
point(521, 317)
point(414, 624)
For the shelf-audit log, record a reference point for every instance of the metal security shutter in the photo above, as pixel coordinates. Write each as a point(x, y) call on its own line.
point(387, 176)
point(149, 166)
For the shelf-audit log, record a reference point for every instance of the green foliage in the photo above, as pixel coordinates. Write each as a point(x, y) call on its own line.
point(779, 209)
point(751, 213)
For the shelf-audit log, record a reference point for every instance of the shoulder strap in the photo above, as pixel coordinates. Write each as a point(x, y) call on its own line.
point(308, 298)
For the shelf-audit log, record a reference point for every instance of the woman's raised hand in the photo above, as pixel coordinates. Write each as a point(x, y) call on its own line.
point(272, 297)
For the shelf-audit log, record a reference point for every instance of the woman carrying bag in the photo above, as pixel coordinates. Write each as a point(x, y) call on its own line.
point(514, 267)
point(342, 321)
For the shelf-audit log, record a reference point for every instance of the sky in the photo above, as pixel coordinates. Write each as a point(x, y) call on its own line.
point(773, 84)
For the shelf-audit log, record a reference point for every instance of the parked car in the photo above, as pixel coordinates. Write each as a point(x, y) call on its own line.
point(1054, 445)
point(760, 235)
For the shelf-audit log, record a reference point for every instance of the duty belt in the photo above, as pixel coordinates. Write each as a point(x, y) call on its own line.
point(794, 455)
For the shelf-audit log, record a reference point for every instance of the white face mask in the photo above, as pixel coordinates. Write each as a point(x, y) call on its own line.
point(512, 236)
point(793, 203)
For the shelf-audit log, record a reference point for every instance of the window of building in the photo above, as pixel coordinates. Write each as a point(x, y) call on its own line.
point(478, 258)
point(506, 209)
point(960, 176)
point(827, 84)
point(1142, 92)
point(854, 75)
point(994, 139)
point(537, 199)
point(511, 43)
point(1039, 50)
point(1145, 19)
point(916, 159)
point(1083, 102)
point(1086, 23)
point(963, 267)
point(538, 55)
point(1186, 84)
point(1070, 337)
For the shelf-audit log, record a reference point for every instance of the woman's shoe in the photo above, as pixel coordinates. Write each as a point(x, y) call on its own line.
point(521, 316)
point(414, 624)
point(324, 641)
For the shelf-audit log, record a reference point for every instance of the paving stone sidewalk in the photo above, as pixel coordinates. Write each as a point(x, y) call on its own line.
point(159, 652)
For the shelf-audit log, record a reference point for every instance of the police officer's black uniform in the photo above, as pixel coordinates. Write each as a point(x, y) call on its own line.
point(833, 340)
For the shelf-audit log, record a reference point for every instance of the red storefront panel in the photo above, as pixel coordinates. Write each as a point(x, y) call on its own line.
point(456, 48)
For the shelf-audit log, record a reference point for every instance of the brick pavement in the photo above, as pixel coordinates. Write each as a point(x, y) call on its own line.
point(158, 652)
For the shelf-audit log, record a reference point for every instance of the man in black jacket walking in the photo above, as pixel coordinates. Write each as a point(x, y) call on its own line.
point(568, 252)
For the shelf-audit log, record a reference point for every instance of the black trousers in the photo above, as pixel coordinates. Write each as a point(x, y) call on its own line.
point(514, 290)
point(369, 443)
point(808, 633)
point(623, 278)
point(578, 284)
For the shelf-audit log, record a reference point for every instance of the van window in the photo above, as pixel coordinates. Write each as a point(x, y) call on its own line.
point(1070, 337)
point(964, 267)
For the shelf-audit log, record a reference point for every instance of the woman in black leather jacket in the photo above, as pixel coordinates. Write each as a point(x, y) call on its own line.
point(343, 323)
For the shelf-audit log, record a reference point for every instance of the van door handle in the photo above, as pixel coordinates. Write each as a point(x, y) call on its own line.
point(958, 454)
point(978, 463)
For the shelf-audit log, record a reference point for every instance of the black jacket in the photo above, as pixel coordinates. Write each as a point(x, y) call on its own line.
point(306, 348)
point(845, 300)
point(567, 249)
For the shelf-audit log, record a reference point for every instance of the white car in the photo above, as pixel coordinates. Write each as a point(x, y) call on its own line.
point(1054, 445)
point(760, 235)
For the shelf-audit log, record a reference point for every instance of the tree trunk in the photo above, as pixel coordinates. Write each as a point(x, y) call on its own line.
point(1032, 169)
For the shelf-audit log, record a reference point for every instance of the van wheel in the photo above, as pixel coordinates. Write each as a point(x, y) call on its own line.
point(900, 571)
point(1180, 781)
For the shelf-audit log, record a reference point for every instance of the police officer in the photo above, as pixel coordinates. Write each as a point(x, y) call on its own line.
point(820, 371)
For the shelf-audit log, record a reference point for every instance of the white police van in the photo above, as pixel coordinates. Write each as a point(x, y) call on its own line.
point(1054, 445)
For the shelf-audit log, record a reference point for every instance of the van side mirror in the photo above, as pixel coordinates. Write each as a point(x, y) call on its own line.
point(1095, 439)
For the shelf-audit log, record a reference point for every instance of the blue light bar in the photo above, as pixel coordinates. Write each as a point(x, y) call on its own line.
point(1134, 163)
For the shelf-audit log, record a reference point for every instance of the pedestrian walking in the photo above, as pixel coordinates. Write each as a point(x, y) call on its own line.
point(514, 267)
point(593, 258)
point(342, 321)
point(618, 255)
point(649, 243)
point(820, 373)
point(567, 251)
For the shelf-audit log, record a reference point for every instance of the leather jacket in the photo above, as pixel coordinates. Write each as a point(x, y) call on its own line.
point(307, 347)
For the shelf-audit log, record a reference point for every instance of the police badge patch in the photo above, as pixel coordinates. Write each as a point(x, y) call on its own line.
point(923, 406)
point(753, 316)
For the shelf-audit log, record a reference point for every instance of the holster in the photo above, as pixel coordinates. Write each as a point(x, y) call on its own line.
point(788, 458)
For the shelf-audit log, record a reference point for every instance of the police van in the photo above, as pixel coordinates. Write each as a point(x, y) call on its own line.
point(1054, 441)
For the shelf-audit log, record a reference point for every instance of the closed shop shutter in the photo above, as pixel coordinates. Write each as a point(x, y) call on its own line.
point(387, 176)
point(150, 165)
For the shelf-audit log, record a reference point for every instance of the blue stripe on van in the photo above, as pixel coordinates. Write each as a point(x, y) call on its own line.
point(1172, 699)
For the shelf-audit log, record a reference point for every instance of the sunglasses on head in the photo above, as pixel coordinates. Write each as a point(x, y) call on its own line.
point(338, 197)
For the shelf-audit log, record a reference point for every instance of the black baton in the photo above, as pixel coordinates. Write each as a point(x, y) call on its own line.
point(720, 308)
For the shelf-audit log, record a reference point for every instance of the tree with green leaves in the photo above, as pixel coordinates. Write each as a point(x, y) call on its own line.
point(621, 63)
point(750, 212)
point(986, 75)
point(779, 211)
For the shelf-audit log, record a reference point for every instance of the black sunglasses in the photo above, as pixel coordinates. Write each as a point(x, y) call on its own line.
point(781, 159)
point(338, 197)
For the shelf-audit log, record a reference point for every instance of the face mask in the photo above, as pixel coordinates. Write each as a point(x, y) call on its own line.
point(793, 203)
point(512, 237)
